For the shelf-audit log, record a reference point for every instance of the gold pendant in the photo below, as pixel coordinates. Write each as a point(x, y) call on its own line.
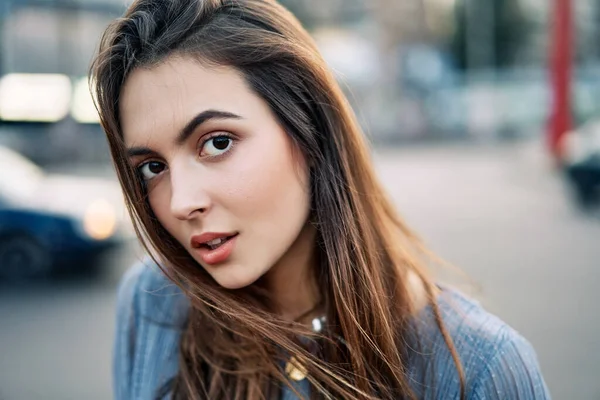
point(295, 370)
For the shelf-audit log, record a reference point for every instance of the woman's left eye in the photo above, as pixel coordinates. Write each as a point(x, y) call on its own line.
point(216, 146)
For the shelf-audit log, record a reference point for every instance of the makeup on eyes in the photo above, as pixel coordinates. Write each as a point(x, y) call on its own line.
point(203, 141)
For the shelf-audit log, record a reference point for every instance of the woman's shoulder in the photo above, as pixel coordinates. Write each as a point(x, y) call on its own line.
point(150, 314)
point(469, 324)
point(498, 361)
point(146, 289)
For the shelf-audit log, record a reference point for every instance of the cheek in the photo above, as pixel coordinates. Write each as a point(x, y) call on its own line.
point(271, 189)
point(160, 203)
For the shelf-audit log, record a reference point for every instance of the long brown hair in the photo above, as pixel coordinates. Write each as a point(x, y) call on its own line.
point(232, 347)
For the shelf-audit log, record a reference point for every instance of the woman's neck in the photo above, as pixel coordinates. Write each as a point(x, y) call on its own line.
point(294, 288)
point(291, 281)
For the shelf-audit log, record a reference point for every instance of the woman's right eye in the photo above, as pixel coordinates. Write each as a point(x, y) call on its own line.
point(151, 169)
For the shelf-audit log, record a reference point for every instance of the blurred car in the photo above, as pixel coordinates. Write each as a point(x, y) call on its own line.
point(582, 161)
point(52, 222)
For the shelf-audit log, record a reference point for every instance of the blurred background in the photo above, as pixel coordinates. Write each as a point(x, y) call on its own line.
point(484, 117)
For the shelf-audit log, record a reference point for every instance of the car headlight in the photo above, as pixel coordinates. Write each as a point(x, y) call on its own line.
point(99, 220)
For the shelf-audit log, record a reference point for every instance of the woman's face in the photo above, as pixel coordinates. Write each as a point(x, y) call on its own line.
point(216, 164)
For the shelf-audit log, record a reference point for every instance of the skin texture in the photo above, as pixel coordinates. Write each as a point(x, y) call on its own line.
point(255, 184)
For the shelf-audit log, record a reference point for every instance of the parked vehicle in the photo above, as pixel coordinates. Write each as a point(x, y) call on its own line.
point(52, 222)
point(582, 162)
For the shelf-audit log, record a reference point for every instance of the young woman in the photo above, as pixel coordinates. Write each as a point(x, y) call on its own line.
point(250, 184)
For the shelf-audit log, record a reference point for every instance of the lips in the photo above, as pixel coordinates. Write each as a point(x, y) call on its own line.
point(214, 248)
point(210, 238)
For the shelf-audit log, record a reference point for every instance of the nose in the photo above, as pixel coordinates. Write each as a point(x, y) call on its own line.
point(188, 198)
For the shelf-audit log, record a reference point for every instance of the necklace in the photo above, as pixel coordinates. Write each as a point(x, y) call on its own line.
point(293, 368)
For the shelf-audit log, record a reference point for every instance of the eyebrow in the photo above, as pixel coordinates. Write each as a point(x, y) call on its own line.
point(187, 130)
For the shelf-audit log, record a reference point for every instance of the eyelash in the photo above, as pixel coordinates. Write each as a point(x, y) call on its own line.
point(214, 136)
point(204, 141)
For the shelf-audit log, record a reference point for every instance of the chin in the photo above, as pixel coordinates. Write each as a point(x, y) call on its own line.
point(233, 277)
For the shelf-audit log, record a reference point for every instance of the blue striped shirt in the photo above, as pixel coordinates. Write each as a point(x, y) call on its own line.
point(497, 361)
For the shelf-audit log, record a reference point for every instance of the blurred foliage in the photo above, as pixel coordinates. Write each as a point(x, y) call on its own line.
point(510, 30)
point(300, 10)
point(314, 13)
point(597, 33)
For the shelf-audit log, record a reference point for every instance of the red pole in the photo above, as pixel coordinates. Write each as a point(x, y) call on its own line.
point(561, 45)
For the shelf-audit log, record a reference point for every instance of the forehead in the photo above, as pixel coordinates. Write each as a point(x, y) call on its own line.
point(163, 98)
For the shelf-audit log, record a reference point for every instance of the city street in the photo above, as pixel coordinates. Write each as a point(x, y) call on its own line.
point(501, 214)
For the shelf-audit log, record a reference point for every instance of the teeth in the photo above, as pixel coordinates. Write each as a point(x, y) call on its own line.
point(215, 243)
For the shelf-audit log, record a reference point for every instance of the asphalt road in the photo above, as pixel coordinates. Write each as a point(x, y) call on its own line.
point(501, 214)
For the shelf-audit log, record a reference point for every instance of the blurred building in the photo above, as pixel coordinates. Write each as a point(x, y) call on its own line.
point(52, 36)
point(46, 110)
point(413, 69)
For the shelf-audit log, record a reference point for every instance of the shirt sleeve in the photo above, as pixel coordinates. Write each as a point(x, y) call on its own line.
point(125, 333)
point(513, 372)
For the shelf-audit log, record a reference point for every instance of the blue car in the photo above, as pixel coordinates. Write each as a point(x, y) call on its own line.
point(50, 222)
point(582, 163)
